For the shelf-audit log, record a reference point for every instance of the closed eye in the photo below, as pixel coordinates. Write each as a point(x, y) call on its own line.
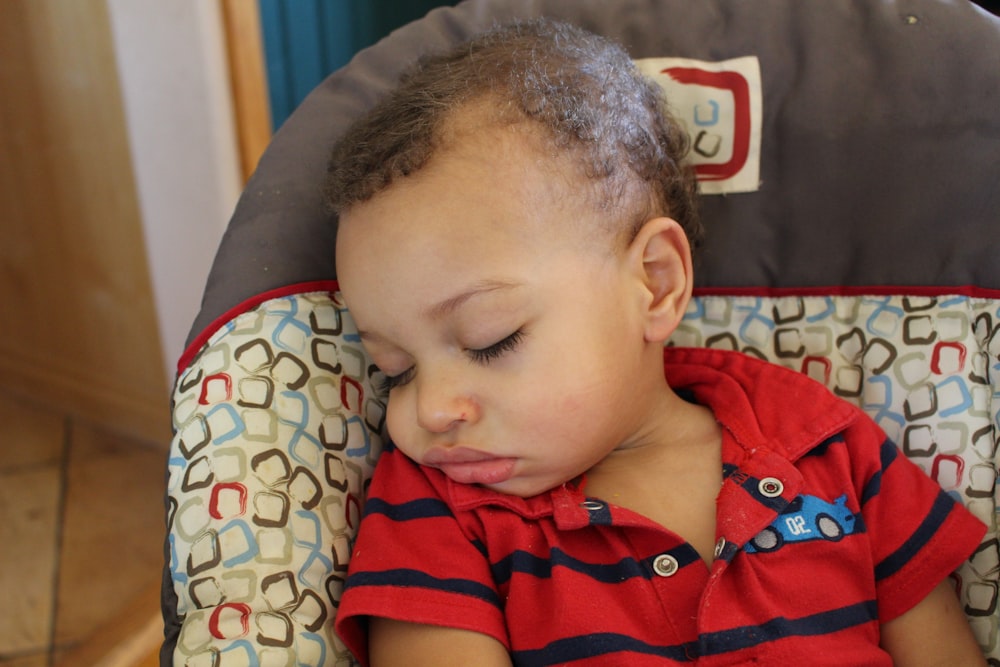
point(482, 356)
point(390, 382)
point(493, 352)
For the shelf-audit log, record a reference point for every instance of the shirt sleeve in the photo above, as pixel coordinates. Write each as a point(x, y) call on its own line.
point(919, 533)
point(413, 561)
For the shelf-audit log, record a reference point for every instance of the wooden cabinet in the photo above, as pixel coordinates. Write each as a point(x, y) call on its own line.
point(78, 326)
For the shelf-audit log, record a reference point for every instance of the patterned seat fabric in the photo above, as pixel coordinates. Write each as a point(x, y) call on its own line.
point(862, 253)
point(277, 432)
point(278, 429)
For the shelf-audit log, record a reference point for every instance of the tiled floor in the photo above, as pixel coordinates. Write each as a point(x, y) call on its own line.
point(81, 529)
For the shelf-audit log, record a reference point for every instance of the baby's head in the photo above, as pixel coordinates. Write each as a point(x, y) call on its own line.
point(591, 106)
point(514, 248)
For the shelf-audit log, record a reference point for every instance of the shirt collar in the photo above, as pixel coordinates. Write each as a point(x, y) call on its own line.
point(749, 397)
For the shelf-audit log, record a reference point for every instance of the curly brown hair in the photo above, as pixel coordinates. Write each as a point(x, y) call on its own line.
point(581, 88)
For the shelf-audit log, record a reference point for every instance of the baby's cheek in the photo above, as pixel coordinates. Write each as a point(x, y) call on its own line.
point(400, 423)
point(578, 401)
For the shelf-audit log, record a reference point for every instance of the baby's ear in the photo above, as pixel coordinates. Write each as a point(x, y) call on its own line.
point(661, 257)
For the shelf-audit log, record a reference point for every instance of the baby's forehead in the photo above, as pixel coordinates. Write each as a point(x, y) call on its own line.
point(488, 119)
point(501, 147)
point(495, 174)
point(480, 128)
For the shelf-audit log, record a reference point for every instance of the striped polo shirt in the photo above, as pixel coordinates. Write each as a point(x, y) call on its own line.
point(824, 531)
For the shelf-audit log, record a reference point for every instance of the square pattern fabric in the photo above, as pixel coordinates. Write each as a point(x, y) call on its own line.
point(279, 424)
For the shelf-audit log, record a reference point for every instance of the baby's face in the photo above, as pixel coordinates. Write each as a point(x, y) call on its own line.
point(507, 332)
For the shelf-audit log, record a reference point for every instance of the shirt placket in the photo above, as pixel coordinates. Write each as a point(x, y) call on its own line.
point(674, 569)
point(752, 497)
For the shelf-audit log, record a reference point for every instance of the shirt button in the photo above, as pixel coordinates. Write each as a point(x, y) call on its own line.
point(770, 487)
point(720, 546)
point(665, 565)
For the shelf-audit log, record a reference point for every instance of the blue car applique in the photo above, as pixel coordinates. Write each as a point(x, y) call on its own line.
point(806, 518)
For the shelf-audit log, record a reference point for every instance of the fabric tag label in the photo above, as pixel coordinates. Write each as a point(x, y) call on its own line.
point(721, 105)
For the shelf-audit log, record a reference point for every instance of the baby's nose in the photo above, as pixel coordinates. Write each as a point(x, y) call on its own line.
point(442, 407)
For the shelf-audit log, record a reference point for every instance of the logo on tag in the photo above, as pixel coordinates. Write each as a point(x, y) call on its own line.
point(720, 103)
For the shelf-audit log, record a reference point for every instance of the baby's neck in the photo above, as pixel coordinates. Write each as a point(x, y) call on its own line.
point(673, 481)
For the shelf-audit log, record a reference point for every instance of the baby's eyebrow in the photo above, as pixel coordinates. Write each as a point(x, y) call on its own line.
point(450, 304)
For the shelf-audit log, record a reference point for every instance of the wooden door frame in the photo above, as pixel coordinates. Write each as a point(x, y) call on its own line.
point(248, 79)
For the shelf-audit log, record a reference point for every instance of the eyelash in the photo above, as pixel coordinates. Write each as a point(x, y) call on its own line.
point(498, 349)
point(390, 382)
point(483, 356)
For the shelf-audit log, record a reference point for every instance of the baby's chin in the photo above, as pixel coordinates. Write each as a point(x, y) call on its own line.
point(525, 486)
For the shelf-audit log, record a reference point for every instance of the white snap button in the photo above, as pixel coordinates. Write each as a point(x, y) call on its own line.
point(665, 565)
point(592, 505)
point(770, 487)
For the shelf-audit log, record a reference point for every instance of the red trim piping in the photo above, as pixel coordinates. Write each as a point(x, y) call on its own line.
point(298, 288)
point(972, 291)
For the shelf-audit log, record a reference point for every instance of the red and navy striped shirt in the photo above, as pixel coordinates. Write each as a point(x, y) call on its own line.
point(824, 531)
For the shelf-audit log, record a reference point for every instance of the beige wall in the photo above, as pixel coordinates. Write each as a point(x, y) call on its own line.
point(172, 67)
point(81, 322)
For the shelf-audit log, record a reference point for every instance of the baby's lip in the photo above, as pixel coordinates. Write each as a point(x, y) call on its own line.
point(470, 466)
point(445, 455)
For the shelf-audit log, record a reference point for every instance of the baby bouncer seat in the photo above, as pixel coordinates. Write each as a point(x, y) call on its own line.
point(847, 154)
